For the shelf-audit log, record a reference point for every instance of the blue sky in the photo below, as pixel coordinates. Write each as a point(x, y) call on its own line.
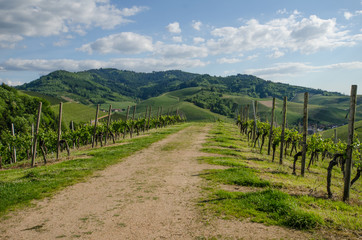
point(307, 43)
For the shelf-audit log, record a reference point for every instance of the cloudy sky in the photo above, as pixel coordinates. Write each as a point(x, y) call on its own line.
point(308, 43)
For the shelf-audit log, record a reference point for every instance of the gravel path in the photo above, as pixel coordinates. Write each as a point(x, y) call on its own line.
point(150, 195)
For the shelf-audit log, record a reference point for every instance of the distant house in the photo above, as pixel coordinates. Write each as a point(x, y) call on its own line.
point(117, 110)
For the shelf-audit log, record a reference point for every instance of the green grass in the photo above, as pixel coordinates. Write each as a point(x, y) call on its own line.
point(291, 201)
point(19, 186)
point(236, 176)
point(268, 206)
point(342, 132)
point(52, 100)
point(171, 102)
point(118, 105)
point(77, 112)
point(223, 161)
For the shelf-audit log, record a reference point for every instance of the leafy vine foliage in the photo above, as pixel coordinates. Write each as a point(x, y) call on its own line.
point(316, 147)
point(21, 111)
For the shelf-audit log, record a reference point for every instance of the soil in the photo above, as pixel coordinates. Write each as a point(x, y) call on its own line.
point(268, 104)
point(152, 194)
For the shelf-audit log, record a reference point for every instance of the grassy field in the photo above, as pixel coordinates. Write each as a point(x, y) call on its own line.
point(255, 188)
point(117, 105)
point(19, 186)
point(52, 100)
point(77, 112)
point(342, 132)
point(170, 102)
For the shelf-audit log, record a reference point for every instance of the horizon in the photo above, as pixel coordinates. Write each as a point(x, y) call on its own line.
point(314, 44)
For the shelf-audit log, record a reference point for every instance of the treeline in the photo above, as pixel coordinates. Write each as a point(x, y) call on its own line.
point(213, 101)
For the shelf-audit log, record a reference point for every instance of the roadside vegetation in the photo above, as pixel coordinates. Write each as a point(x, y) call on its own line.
point(19, 186)
point(255, 188)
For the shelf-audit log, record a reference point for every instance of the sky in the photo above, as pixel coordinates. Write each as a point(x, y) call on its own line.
point(308, 43)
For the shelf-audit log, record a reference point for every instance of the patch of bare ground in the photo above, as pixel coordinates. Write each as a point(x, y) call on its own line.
point(268, 104)
point(152, 194)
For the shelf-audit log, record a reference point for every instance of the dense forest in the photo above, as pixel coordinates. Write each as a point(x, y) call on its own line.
point(21, 110)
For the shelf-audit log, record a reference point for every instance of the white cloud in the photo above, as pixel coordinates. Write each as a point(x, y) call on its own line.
point(276, 54)
point(251, 57)
point(304, 35)
point(295, 68)
point(135, 64)
point(198, 40)
point(174, 27)
point(196, 25)
point(9, 40)
point(349, 15)
point(228, 60)
point(25, 18)
point(10, 82)
point(282, 11)
point(177, 39)
point(125, 42)
point(60, 43)
point(180, 51)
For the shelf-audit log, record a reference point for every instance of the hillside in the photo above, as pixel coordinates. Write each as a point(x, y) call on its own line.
point(21, 110)
point(207, 95)
point(101, 85)
point(342, 132)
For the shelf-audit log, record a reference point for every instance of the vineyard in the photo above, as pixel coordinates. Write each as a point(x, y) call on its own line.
point(24, 146)
point(293, 143)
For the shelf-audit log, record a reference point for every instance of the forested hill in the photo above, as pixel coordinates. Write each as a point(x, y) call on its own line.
point(101, 85)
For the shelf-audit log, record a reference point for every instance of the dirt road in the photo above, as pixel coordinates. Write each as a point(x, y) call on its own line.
point(150, 195)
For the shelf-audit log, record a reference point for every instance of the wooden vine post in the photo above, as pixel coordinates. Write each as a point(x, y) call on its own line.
point(108, 122)
point(127, 113)
point(32, 139)
point(255, 105)
point(149, 118)
point(59, 128)
point(348, 170)
point(14, 148)
point(335, 136)
point(271, 126)
point(132, 126)
point(95, 127)
point(305, 133)
point(158, 112)
point(283, 130)
point(73, 131)
point(36, 135)
point(144, 126)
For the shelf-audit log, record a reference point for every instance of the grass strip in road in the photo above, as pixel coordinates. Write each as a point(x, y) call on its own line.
point(18, 187)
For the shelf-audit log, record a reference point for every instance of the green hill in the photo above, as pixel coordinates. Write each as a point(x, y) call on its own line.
point(77, 112)
point(21, 110)
point(342, 132)
point(172, 101)
point(101, 85)
point(174, 88)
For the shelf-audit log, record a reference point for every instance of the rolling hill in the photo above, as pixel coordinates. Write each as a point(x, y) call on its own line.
point(195, 94)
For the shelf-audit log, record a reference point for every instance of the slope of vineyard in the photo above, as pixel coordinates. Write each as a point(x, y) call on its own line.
point(172, 101)
point(77, 112)
point(342, 132)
